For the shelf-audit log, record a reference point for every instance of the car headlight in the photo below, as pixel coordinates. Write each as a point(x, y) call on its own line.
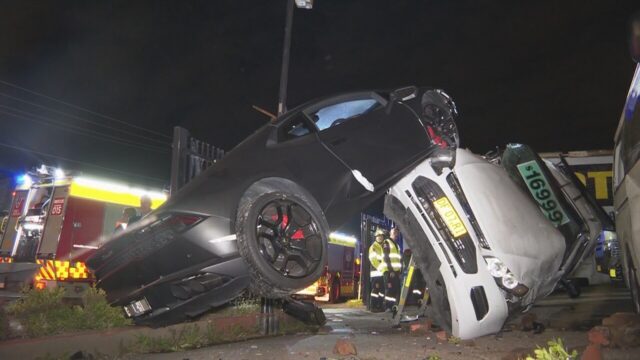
point(504, 277)
point(509, 281)
point(496, 267)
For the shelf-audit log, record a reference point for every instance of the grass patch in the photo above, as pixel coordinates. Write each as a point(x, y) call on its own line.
point(554, 351)
point(195, 336)
point(44, 312)
point(190, 337)
point(243, 305)
point(453, 340)
point(354, 303)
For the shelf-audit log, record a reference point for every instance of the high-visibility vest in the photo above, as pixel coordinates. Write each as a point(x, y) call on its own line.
point(378, 261)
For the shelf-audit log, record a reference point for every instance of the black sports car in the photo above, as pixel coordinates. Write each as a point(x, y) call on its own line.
point(259, 218)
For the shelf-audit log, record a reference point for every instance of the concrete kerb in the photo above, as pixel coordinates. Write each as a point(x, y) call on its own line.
point(118, 341)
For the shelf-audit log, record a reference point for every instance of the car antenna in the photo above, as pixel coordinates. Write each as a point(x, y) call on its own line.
point(264, 112)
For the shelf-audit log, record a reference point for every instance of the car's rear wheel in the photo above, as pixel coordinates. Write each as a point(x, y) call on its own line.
point(282, 236)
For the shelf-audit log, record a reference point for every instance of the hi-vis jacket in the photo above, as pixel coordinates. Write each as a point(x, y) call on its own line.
point(381, 260)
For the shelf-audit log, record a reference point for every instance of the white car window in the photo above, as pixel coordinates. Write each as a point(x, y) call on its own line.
point(337, 113)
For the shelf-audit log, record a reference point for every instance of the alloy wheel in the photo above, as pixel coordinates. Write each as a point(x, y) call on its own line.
point(289, 238)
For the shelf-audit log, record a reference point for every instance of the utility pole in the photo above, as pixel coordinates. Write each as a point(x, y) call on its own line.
point(284, 73)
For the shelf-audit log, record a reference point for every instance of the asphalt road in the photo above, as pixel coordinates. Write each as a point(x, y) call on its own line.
point(374, 337)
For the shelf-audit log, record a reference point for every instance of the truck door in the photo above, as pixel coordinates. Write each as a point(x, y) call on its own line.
point(17, 208)
point(82, 227)
point(53, 224)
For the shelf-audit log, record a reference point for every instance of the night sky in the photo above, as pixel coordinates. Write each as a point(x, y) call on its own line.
point(550, 74)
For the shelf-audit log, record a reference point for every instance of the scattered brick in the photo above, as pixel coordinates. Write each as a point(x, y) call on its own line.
point(592, 352)
point(344, 347)
point(599, 335)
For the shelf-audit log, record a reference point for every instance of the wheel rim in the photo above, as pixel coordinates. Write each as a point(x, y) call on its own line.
point(289, 238)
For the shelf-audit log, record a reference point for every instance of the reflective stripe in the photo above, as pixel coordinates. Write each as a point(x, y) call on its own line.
point(375, 273)
point(375, 295)
point(389, 298)
point(417, 292)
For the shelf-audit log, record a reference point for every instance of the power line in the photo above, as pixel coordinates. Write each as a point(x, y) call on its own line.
point(83, 109)
point(78, 130)
point(82, 119)
point(78, 162)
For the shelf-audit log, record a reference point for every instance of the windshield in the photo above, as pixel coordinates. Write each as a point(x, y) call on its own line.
point(337, 113)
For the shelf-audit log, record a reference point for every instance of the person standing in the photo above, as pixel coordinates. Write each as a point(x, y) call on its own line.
point(125, 219)
point(393, 258)
point(145, 208)
point(378, 269)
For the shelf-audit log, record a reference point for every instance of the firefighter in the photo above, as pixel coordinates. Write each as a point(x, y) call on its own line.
point(394, 260)
point(385, 262)
point(378, 268)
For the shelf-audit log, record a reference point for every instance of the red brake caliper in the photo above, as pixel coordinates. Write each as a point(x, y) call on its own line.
point(436, 139)
point(298, 235)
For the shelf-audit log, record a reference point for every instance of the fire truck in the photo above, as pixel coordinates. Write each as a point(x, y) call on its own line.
point(341, 277)
point(56, 221)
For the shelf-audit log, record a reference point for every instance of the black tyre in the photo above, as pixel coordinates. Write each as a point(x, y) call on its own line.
point(304, 311)
point(282, 236)
point(573, 289)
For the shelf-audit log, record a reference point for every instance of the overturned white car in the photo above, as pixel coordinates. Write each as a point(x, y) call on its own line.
point(485, 249)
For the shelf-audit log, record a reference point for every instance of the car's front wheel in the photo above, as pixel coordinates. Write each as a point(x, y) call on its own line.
point(282, 236)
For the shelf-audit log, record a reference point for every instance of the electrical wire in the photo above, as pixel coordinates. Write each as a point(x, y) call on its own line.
point(80, 131)
point(82, 119)
point(84, 109)
point(19, 148)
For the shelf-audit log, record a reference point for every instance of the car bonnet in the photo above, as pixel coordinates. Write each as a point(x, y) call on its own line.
point(516, 230)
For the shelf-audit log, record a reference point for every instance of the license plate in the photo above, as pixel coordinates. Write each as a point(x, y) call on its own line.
point(450, 217)
point(542, 193)
point(137, 308)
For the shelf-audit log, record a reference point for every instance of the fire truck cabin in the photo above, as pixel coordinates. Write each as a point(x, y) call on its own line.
point(55, 223)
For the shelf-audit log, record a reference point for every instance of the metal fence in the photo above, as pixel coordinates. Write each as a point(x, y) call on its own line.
point(190, 157)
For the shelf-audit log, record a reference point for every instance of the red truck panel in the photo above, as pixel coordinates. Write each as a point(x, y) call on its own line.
point(82, 225)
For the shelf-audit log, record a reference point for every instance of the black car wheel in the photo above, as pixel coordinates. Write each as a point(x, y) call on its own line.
point(282, 235)
point(440, 113)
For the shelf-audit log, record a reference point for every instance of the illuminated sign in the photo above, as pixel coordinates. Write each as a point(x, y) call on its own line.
point(57, 206)
point(113, 193)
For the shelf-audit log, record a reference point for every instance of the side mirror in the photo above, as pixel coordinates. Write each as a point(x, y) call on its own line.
point(401, 94)
point(634, 37)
